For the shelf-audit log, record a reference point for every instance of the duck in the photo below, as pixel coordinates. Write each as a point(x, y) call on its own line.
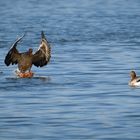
point(135, 80)
point(25, 60)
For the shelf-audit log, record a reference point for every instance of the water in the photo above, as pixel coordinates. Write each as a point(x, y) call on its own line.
point(83, 92)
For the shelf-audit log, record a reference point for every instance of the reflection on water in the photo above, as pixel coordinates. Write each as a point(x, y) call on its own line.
point(83, 92)
point(42, 78)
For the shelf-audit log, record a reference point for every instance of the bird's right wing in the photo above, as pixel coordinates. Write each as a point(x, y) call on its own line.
point(13, 55)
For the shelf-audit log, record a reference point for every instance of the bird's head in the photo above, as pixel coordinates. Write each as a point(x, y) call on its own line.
point(132, 75)
point(30, 51)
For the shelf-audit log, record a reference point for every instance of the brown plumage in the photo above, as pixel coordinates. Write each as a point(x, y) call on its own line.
point(25, 60)
point(135, 80)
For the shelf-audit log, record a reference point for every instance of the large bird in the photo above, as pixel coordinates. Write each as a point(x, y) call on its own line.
point(25, 60)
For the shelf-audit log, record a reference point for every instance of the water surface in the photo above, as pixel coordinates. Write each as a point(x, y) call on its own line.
point(83, 92)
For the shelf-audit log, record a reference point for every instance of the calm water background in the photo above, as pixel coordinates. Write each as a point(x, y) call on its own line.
point(83, 93)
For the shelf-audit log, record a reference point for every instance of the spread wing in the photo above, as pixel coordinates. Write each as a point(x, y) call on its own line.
point(43, 55)
point(13, 55)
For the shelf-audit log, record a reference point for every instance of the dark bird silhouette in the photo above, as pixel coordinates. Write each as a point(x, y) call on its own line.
point(25, 60)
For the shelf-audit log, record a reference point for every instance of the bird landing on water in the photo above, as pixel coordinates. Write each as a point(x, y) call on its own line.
point(25, 60)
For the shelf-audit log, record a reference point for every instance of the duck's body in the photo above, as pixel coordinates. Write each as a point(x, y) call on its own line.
point(25, 60)
point(135, 80)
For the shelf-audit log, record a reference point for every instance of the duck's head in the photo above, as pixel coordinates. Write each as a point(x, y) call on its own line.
point(30, 51)
point(132, 75)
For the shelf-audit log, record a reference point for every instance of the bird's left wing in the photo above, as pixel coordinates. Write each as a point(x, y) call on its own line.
point(43, 55)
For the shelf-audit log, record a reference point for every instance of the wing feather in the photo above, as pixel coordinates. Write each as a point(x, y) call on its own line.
point(43, 55)
point(13, 55)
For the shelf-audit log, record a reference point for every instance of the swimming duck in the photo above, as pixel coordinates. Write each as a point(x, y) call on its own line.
point(135, 81)
point(25, 60)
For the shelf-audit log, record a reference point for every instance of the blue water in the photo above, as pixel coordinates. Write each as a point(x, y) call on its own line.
point(83, 92)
